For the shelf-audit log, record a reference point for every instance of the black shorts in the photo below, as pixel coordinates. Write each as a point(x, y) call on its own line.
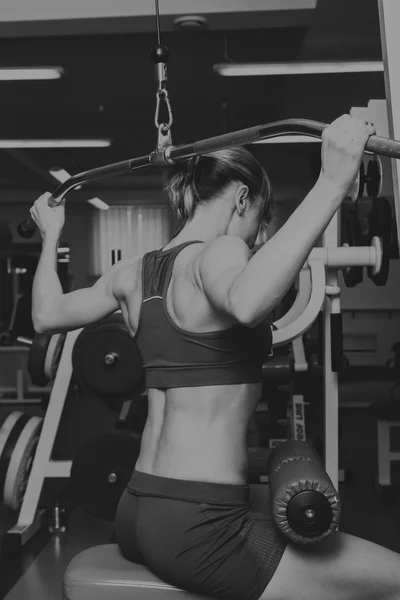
point(202, 537)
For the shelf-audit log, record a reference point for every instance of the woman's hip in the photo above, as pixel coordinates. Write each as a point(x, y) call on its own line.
point(198, 536)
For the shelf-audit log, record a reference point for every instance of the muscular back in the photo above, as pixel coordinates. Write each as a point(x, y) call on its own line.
point(191, 433)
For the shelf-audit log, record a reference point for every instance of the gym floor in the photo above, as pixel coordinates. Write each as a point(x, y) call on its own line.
point(37, 571)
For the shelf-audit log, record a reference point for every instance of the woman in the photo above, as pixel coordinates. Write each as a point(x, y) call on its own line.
point(198, 311)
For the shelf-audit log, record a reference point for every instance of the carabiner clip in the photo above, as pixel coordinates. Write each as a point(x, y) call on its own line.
point(166, 126)
point(164, 138)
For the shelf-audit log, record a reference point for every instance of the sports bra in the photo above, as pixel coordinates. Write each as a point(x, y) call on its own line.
point(174, 358)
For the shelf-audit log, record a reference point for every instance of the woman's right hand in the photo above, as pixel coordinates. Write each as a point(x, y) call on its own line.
point(343, 145)
point(48, 218)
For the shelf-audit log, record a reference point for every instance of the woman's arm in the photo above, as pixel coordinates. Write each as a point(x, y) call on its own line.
point(268, 275)
point(249, 288)
point(52, 310)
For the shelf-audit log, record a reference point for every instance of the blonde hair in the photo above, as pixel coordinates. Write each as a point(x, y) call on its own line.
point(199, 179)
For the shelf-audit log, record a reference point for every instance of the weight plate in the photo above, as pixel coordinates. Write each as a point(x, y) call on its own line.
point(101, 471)
point(374, 177)
point(7, 427)
point(380, 224)
point(351, 233)
point(106, 360)
point(53, 355)
point(37, 358)
point(19, 436)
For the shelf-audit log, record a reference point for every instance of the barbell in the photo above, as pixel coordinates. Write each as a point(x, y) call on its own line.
point(169, 155)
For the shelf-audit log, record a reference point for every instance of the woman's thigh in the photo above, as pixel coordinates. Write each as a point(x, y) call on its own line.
point(342, 567)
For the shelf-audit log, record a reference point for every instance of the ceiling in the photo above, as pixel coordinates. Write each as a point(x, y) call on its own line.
point(19, 17)
point(108, 89)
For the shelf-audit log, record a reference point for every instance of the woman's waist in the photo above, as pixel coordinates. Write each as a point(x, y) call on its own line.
point(188, 441)
point(189, 490)
point(208, 459)
point(206, 404)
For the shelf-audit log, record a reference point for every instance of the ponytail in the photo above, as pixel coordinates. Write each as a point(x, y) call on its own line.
point(181, 187)
point(200, 178)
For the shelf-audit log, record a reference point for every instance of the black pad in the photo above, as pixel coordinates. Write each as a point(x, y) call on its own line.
point(305, 504)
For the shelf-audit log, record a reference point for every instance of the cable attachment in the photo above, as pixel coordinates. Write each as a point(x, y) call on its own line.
point(163, 94)
point(159, 56)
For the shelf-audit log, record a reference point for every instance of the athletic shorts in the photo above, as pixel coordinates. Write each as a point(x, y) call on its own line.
point(201, 537)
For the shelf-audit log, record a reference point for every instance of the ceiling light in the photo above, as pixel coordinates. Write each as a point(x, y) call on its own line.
point(98, 203)
point(54, 143)
point(300, 68)
point(190, 22)
point(62, 175)
point(30, 73)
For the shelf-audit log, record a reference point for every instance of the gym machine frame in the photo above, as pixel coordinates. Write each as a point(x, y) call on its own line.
point(388, 20)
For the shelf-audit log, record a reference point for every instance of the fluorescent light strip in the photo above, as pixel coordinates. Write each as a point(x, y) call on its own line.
point(30, 73)
point(54, 143)
point(301, 68)
point(97, 203)
point(290, 139)
point(60, 174)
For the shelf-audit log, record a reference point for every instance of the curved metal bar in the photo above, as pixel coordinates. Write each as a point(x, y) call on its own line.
point(125, 166)
point(27, 228)
point(171, 154)
point(307, 318)
point(248, 136)
point(375, 144)
point(301, 301)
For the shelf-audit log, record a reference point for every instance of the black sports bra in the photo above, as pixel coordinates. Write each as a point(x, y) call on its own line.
point(175, 358)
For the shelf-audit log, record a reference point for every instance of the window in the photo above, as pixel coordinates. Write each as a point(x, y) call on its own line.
point(132, 229)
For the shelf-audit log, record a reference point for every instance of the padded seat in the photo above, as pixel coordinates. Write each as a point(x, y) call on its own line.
point(102, 573)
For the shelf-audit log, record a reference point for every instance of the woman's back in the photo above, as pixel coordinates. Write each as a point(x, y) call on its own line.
point(197, 432)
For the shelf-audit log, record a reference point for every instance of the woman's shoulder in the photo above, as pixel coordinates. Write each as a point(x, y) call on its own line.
point(127, 276)
point(226, 248)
